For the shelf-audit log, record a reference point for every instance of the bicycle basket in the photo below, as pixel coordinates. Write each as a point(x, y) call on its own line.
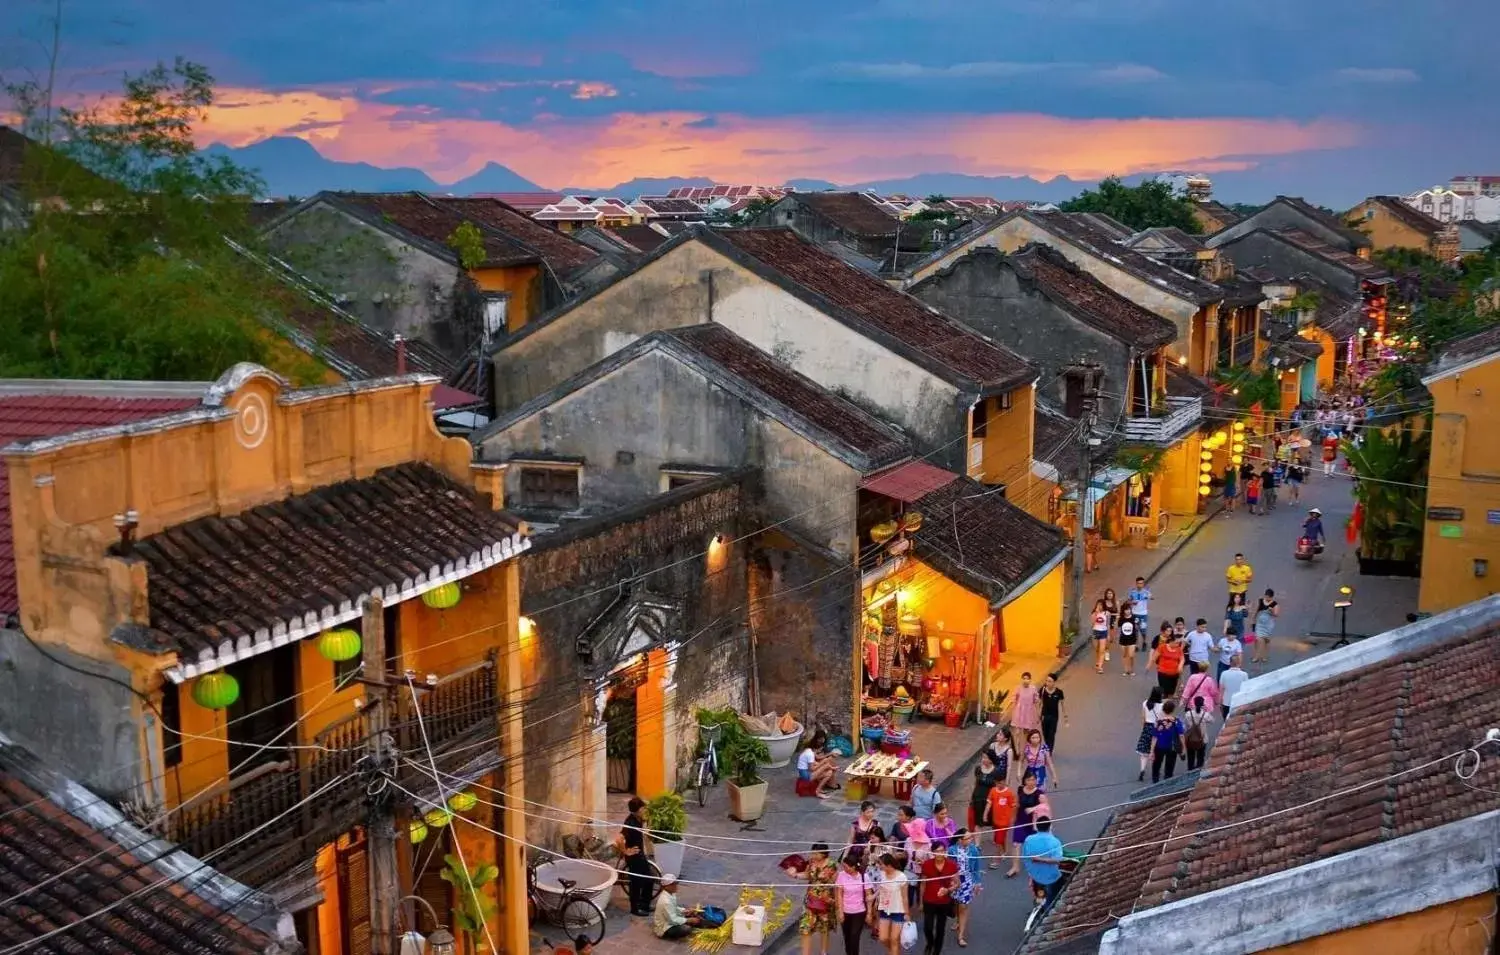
point(711, 734)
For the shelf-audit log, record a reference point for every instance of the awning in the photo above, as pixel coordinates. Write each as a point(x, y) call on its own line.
point(1100, 486)
point(909, 482)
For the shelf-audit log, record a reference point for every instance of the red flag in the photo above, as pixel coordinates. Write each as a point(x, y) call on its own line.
point(1356, 524)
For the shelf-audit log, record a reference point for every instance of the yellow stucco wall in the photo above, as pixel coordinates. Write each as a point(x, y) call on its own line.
point(1464, 472)
point(1176, 484)
point(1006, 448)
point(1457, 928)
point(1033, 621)
point(522, 282)
point(1385, 230)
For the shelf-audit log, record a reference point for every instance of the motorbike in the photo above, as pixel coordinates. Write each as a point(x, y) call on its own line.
point(1307, 548)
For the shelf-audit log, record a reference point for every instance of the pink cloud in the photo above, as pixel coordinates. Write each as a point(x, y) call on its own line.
point(554, 150)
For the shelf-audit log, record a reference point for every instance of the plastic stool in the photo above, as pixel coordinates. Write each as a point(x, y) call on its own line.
point(806, 787)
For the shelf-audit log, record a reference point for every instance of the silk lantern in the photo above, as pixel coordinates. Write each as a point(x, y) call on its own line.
point(416, 831)
point(216, 691)
point(339, 645)
point(462, 801)
point(437, 818)
point(443, 597)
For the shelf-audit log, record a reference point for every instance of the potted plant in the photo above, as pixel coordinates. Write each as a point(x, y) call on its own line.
point(994, 707)
point(744, 755)
point(666, 819)
point(1065, 646)
point(954, 714)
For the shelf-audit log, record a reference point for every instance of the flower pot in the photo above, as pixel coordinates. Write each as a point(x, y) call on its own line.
point(952, 720)
point(995, 716)
point(748, 803)
point(782, 747)
point(669, 855)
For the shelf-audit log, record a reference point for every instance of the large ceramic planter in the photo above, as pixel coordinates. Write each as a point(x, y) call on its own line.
point(669, 855)
point(594, 878)
point(748, 803)
point(782, 747)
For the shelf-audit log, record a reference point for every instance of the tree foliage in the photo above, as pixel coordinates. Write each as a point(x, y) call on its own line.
point(1390, 467)
point(1150, 205)
point(122, 269)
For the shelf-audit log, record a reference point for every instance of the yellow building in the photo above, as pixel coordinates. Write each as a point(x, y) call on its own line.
point(1462, 533)
point(261, 579)
point(1392, 224)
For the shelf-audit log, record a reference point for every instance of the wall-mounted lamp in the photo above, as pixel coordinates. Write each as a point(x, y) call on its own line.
point(1481, 567)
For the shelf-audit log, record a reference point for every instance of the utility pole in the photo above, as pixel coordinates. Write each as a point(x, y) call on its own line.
point(1086, 442)
point(380, 829)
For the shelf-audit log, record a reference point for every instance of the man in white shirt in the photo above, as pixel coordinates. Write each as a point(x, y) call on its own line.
point(1200, 643)
point(1230, 682)
point(669, 921)
point(1229, 647)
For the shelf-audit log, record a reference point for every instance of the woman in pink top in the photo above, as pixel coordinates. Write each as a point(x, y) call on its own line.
point(1025, 714)
point(1200, 683)
point(854, 897)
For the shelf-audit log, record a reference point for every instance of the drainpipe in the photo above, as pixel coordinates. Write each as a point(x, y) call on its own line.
point(400, 355)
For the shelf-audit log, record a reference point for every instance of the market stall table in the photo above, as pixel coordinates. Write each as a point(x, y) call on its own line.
point(876, 767)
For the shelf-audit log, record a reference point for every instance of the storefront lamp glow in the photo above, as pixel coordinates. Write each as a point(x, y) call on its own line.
point(1182, 360)
point(1203, 490)
point(1206, 456)
point(1221, 436)
point(1204, 479)
point(339, 645)
point(216, 691)
point(911, 521)
point(443, 597)
point(527, 628)
point(1205, 467)
point(1236, 459)
point(1234, 391)
point(1239, 426)
point(1238, 447)
point(881, 533)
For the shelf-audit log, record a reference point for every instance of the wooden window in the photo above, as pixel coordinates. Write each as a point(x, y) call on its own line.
point(555, 488)
point(981, 418)
point(1075, 385)
point(354, 896)
point(675, 481)
point(1003, 402)
point(496, 306)
point(171, 725)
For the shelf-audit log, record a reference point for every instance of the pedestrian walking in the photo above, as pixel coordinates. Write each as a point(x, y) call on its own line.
point(924, 795)
point(1053, 709)
point(1093, 543)
point(1295, 475)
point(1099, 630)
point(1129, 635)
point(1029, 800)
point(856, 897)
point(1238, 575)
point(942, 827)
point(986, 777)
point(1044, 858)
point(1179, 627)
point(1268, 487)
point(890, 901)
point(1140, 604)
point(1227, 647)
point(1235, 616)
point(631, 842)
point(1025, 712)
point(1231, 488)
point(1266, 612)
point(1330, 453)
point(1252, 494)
point(1166, 743)
point(1229, 684)
point(1200, 683)
point(1169, 658)
point(1000, 816)
point(863, 825)
point(1112, 606)
point(939, 882)
point(1195, 720)
point(1150, 712)
point(1200, 644)
point(820, 901)
point(970, 876)
point(1247, 471)
point(1037, 759)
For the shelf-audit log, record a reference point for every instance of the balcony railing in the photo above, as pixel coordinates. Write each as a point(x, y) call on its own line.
point(249, 826)
point(1180, 415)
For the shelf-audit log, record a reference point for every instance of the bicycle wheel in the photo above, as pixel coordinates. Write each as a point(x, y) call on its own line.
point(701, 777)
point(580, 916)
point(655, 879)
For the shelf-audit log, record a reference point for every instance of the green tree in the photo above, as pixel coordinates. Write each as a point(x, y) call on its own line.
point(1390, 467)
point(1151, 204)
point(122, 270)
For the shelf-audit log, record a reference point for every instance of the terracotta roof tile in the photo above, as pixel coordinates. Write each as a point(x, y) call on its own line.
point(975, 536)
point(962, 352)
point(1219, 212)
point(1090, 299)
point(1327, 220)
point(219, 579)
point(854, 212)
point(50, 415)
point(562, 252)
point(87, 870)
point(872, 438)
point(432, 223)
point(672, 206)
point(1468, 348)
point(1348, 261)
point(639, 238)
point(1087, 235)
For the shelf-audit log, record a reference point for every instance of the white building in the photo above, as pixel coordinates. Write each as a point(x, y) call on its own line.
point(1446, 204)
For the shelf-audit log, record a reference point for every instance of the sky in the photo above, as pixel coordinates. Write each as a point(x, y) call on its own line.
point(1332, 99)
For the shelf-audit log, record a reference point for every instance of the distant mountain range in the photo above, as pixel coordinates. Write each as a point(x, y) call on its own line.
point(293, 167)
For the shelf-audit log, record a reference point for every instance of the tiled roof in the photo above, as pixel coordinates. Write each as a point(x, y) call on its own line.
point(637, 238)
point(908, 482)
point(563, 253)
point(671, 206)
point(259, 213)
point(1241, 289)
point(1055, 441)
point(1327, 738)
point(91, 859)
point(46, 415)
point(1106, 224)
point(1108, 884)
point(708, 193)
point(1329, 221)
point(874, 439)
point(226, 579)
point(1082, 232)
point(1170, 235)
point(1415, 218)
point(974, 536)
point(430, 223)
point(1347, 261)
point(1090, 299)
point(854, 212)
point(1463, 350)
point(939, 339)
point(524, 202)
point(1219, 212)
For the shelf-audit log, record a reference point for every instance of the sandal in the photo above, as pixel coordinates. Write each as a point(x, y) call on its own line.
point(1012, 874)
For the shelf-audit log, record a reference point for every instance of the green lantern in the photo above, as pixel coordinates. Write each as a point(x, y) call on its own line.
point(339, 645)
point(416, 831)
point(437, 818)
point(216, 691)
point(462, 801)
point(444, 597)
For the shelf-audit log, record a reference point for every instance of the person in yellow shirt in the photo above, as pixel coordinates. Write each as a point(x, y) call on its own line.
point(1238, 575)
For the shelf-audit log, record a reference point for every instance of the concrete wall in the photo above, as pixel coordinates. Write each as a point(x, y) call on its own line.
point(989, 297)
point(1464, 471)
point(389, 284)
point(1262, 251)
point(84, 726)
point(789, 213)
point(1457, 928)
point(654, 411)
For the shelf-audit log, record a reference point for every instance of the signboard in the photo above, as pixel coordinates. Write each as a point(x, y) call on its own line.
point(1492, 517)
point(1450, 530)
point(1445, 513)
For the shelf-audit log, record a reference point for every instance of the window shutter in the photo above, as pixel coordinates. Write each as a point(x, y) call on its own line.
point(355, 879)
point(430, 887)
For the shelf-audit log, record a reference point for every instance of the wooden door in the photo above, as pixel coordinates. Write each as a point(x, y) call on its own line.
point(354, 895)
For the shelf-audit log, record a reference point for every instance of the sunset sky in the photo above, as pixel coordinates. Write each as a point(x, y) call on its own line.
point(1333, 99)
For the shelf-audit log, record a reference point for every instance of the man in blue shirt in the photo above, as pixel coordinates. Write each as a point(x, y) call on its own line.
point(1042, 855)
point(1140, 604)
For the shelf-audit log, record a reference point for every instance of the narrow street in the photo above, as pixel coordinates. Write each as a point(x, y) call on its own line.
point(1096, 759)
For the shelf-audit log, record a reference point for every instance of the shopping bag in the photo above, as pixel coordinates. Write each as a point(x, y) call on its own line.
point(908, 936)
point(713, 916)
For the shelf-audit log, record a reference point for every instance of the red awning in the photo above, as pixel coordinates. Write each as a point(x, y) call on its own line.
point(909, 482)
point(446, 396)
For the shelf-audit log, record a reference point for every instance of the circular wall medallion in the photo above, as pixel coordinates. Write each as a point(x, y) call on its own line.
point(252, 422)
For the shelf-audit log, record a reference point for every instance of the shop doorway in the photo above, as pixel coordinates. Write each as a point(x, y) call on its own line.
point(622, 727)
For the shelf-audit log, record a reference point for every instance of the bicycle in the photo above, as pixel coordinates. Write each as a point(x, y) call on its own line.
point(623, 879)
point(706, 767)
point(573, 911)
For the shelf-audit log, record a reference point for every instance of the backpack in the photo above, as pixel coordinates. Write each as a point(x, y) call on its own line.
point(1194, 738)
